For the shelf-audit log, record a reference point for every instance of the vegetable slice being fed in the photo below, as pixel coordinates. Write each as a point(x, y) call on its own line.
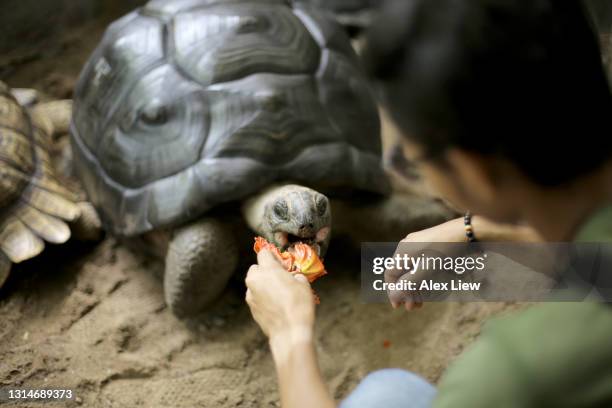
point(299, 258)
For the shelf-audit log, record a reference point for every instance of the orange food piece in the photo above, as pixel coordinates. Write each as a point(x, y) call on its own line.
point(285, 258)
point(300, 258)
point(307, 262)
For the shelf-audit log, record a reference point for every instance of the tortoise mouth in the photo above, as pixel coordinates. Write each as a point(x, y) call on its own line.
point(285, 240)
point(294, 239)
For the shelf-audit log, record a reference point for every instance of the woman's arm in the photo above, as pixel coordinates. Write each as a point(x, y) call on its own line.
point(454, 231)
point(299, 378)
point(283, 306)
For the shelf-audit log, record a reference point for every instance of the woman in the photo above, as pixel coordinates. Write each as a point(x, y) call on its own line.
point(505, 107)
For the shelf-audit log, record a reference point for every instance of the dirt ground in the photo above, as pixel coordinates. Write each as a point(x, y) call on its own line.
point(92, 317)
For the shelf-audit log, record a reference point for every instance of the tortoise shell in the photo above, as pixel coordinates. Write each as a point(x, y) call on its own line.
point(34, 206)
point(188, 104)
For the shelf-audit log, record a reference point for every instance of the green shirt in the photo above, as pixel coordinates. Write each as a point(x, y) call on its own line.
point(552, 355)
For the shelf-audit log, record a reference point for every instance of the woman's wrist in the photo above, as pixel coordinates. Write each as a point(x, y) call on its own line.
point(284, 342)
point(486, 230)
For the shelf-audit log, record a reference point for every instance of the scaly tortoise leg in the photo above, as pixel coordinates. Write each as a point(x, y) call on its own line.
point(201, 258)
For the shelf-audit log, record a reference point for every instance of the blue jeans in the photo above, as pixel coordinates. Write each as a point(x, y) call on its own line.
point(391, 388)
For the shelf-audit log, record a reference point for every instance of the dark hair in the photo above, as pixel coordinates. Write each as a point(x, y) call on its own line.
point(522, 79)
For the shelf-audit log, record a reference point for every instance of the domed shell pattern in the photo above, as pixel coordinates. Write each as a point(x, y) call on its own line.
point(188, 104)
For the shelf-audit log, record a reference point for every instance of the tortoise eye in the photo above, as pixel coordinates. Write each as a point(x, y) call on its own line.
point(321, 206)
point(154, 115)
point(281, 210)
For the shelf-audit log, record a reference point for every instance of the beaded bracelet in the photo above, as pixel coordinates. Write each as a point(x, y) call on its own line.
point(469, 230)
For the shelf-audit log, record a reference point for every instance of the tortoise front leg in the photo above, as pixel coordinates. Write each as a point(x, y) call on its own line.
point(201, 258)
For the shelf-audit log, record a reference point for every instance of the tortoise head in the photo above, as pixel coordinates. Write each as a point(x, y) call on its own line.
point(288, 214)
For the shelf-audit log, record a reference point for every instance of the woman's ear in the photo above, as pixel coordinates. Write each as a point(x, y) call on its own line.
point(475, 174)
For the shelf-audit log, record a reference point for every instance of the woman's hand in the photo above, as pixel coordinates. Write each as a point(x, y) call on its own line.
point(283, 306)
point(452, 231)
point(281, 303)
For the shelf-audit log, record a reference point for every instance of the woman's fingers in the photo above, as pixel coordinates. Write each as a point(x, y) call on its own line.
point(301, 278)
point(267, 260)
point(253, 269)
point(251, 275)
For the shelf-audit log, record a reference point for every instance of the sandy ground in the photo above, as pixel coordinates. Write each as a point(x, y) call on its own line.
point(92, 317)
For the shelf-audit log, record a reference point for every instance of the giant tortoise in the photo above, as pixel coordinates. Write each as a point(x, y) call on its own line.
point(187, 106)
